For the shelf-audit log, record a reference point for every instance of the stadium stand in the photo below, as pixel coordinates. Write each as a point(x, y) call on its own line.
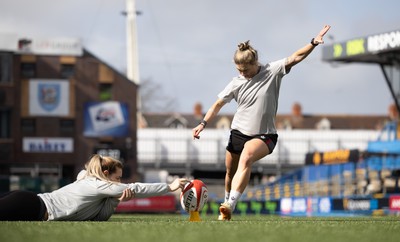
point(375, 171)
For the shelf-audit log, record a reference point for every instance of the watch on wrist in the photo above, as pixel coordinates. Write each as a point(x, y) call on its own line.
point(313, 43)
point(204, 123)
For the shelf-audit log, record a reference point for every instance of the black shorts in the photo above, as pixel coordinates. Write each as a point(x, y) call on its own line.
point(21, 206)
point(237, 140)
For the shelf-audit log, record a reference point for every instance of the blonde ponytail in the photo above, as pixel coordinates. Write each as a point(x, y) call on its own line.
point(245, 54)
point(97, 164)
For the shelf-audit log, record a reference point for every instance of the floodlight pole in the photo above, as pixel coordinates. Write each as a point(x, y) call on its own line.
point(132, 47)
point(132, 53)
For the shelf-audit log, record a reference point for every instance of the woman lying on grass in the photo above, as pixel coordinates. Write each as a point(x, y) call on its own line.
point(94, 196)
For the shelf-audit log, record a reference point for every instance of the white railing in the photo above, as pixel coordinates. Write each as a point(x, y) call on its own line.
point(161, 147)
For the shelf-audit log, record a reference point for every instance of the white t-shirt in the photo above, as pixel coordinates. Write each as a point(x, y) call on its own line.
point(257, 99)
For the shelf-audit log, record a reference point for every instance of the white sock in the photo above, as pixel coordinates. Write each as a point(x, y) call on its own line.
point(234, 198)
point(226, 196)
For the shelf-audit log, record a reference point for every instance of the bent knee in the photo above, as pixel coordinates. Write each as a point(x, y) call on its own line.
point(247, 160)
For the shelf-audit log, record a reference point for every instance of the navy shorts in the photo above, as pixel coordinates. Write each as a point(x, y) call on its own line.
point(237, 140)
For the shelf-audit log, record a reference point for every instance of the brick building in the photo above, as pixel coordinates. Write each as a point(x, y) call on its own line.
point(59, 104)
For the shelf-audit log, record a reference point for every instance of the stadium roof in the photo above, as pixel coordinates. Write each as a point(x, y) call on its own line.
point(382, 49)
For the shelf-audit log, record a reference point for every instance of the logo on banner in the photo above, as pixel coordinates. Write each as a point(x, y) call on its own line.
point(360, 205)
point(325, 205)
point(47, 145)
point(299, 205)
point(106, 115)
point(106, 119)
point(286, 205)
point(394, 203)
point(49, 96)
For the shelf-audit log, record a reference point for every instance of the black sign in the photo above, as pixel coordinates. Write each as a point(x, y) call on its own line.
point(114, 152)
point(332, 157)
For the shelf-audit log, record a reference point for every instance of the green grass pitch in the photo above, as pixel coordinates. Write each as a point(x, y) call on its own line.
point(173, 227)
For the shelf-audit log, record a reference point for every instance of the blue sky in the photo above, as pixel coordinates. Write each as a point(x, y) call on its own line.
point(187, 46)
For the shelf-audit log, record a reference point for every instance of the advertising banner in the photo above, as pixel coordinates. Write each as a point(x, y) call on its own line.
point(324, 205)
point(373, 44)
point(360, 204)
point(286, 205)
point(319, 205)
point(332, 157)
point(157, 204)
point(54, 46)
point(48, 97)
point(41, 46)
point(47, 145)
point(244, 207)
point(293, 205)
point(106, 119)
point(112, 151)
point(394, 203)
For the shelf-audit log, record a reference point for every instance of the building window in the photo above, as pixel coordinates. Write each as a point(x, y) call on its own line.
point(105, 92)
point(67, 126)
point(28, 126)
point(5, 123)
point(67, 70)
point(28, 70)
point(5, 67)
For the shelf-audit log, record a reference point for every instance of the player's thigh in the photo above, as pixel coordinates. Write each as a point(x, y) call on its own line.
point(254, 150)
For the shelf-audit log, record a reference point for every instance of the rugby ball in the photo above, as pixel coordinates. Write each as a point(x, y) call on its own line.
point(194, 195)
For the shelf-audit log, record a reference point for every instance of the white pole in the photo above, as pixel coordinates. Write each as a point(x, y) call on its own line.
point(132, 47)
point(132, 55)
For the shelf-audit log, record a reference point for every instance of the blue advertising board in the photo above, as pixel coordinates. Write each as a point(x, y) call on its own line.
point(106, 119)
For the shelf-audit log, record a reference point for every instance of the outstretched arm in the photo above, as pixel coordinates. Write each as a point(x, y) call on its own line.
point(211, 113)
point(302, 53)
point(178, 183)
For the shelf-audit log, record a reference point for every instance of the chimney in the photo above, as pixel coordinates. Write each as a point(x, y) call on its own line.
point(198, 111)
point(296, 120)
point(296, 110)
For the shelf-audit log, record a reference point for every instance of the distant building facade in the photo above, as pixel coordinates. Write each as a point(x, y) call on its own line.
point(59, 104)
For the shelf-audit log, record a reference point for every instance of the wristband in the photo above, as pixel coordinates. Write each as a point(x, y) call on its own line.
point(204, 123)
point(312, 42)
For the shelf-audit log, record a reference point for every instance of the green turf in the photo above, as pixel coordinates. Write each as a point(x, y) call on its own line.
point(160, 228)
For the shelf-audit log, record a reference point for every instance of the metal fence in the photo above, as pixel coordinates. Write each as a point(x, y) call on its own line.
point(175, 148)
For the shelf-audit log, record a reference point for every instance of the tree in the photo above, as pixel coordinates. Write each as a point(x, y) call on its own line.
point(153, 98)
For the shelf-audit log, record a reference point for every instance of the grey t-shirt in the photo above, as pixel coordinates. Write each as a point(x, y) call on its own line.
point(92, 199)
point(257, 99)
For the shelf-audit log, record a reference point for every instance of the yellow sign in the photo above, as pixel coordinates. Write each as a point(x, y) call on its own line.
point(337, 50)
point(336, 156)
point(355, 47)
